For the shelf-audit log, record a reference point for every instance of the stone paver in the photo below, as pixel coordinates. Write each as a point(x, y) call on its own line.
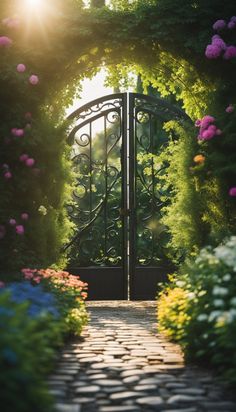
point(121, 363)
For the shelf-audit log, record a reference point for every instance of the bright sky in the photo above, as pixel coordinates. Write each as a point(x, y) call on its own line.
point(91, 89)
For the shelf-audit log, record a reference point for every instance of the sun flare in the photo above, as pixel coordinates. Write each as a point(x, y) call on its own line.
point(34, 3)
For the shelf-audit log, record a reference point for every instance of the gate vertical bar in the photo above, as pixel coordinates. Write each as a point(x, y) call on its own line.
point(132, 192)
point(124, 171)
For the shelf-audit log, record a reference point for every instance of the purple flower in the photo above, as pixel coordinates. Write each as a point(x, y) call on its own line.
point(233, 18)
point(230, 53)
point(198, 123)
point(219, 25)
point(12, 222)
point(231, 25)
point(212, 51)
point(232, 191)
point(218, 42)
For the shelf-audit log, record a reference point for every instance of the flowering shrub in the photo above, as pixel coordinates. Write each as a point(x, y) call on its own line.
point(70, 293)
point(218, 47)
point(40, 311)
point(204, 302)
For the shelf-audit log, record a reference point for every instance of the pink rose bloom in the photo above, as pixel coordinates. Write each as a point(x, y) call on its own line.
point(206, 120)
point(33, 79)
point(231, 25)
point(12, 222)
point(207, 134)
point(8, 175)
point(229, 109)
point(230, 53)
point(21, 68)
point(212, 51)
point(20, 230)
point(218, 42)
point(2, 284)
point(24, 216)
point(232, 191)
point(219, 25)
point(5, 41)
point(19, 132)
point(23, 157)
point(2, 231)
point(30, 162)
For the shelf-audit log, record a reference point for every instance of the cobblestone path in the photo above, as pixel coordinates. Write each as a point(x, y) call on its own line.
point(123, 364)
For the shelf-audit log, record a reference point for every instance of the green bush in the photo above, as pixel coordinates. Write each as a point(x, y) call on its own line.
point(202, 306)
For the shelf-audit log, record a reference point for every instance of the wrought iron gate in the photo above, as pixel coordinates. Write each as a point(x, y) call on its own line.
point(117, 198)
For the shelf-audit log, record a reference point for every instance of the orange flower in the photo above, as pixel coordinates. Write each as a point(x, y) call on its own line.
point(199, 159)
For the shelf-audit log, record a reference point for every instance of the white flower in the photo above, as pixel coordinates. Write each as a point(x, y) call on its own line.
point(180, 283)
point(202, 317)
point(219, 291)
point(233, 301)
point(227, 277)
point(213, 315)
point(218, 302)
point(191, 295)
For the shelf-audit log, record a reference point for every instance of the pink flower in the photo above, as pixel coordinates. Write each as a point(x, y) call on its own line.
point(207, 134)
point(12, 222)
point(198, 123)
point(8, 175)
point(30, 162)
point(219, 25)
point(33, 79)
point(218, 42)
point(23, 157)
point(231, 25)
point(21, 68)
point(5, 41)
point(19, 132)
point(230, 53)
point(20, 230)
point(218, 132)
point(24, 216)
point(212, 51)
point(13, 131)
point(37, 279)
point(229, 109)
point(232, 191)
point(11, 22)
point(2, 231)
point(206, 120)
point(2, 284)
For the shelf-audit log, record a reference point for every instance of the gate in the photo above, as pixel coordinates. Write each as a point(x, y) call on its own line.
point(118, 245)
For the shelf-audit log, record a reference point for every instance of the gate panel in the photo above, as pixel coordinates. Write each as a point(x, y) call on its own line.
point(98, 140)
point(148, 237)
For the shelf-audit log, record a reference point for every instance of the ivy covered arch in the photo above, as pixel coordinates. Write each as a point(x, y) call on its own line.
point(162, 41)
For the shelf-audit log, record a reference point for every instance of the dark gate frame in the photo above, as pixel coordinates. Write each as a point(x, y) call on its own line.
point(128, 281)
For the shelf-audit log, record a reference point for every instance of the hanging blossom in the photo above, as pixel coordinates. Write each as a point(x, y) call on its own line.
point(207, 129)
point(218, 47)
